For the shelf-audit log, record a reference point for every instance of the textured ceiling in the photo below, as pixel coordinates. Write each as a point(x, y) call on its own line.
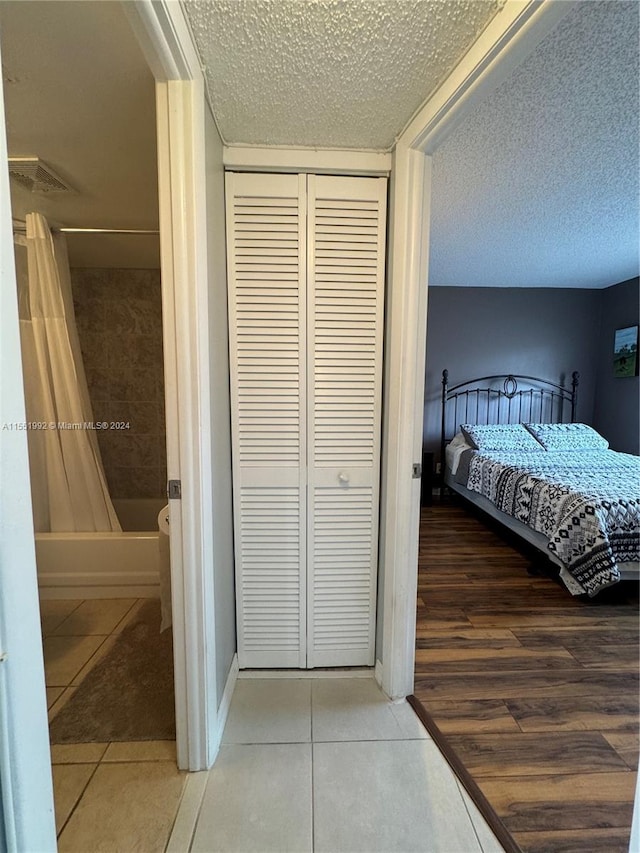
point(539, 186)
point(328, 73)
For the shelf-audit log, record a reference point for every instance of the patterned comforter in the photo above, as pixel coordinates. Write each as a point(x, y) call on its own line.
point(587, 503)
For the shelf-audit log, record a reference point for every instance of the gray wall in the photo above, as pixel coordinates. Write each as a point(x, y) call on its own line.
point(617, 405)
point(224, 577)
point(478, 331)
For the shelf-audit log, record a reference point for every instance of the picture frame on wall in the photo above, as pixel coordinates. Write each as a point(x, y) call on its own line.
point(625, 352)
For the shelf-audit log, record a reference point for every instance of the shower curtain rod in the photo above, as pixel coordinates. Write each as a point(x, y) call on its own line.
point(20, 225)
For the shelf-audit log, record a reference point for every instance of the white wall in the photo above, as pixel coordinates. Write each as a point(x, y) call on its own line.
point(224, 578)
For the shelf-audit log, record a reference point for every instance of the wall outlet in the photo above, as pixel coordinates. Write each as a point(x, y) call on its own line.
point(438, 467)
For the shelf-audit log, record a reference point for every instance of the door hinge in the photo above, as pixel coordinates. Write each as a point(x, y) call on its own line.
point(417, 470)
point(174, 490)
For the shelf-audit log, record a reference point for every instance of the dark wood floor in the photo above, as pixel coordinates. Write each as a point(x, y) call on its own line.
point(535, 691)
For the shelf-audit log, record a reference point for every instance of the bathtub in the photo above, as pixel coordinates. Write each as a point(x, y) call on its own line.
point(104, 565)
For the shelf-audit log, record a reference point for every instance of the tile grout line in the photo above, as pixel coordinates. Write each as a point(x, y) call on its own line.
point(136, 601)
point(97, 634)
point(109, 762)
point(313, 793)
point(197, 820)
point(78, 801)
point(50, 634)
point(464, 802)
point(344, 740)
point(105, 637)
point(192, 833)
point(313, 750)
point(113, 633)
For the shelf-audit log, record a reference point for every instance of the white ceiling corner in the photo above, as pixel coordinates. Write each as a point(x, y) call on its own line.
point(328, 73)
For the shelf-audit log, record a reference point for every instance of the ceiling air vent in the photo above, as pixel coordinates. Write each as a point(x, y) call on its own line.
point(36, 176)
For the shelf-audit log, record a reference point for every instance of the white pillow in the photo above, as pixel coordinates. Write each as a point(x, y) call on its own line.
point(510, 438)
point(568, 437)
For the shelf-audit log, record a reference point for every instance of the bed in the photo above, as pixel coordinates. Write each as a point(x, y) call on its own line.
point(511, 446)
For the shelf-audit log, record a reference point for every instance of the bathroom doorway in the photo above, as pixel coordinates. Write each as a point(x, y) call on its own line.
point(85, 107)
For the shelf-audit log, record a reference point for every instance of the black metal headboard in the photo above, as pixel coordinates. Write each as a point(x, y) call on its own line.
point(499, 400)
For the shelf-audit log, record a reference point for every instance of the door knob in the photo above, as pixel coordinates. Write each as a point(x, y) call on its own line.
point(343, 477)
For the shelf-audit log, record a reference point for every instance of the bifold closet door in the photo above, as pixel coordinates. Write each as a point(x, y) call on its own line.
point(306, 280)
point(266, 241)
point(344, 369)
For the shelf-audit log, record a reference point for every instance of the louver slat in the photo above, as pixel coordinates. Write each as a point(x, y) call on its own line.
point(266, 236)
point(344, 354)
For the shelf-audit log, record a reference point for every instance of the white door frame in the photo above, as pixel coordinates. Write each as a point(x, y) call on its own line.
point(180, 105)
point(510, 37)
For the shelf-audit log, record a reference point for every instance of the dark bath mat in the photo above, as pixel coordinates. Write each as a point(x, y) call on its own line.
point(128, 695)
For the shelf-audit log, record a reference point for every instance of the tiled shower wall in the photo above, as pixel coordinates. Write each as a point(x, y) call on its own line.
point(119, 319)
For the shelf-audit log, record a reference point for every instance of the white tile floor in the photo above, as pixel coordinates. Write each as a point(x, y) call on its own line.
point(326, 765)
point(322, 764)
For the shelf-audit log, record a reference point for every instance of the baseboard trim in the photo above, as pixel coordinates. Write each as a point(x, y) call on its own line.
point(229, 687)
point(75, 590)
point(488, 812)
point(223, 707)
point(306, 673)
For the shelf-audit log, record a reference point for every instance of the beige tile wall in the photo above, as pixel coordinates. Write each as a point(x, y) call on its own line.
point(119, 319)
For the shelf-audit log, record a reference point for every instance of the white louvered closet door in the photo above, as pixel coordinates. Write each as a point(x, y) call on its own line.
point(306, 282)
point(344, 368)
point(266, 237)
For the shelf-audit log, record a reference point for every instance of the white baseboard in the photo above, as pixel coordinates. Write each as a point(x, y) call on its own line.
point(225, 704)
point(74, 590)
point(377, 673)
point(356, 672)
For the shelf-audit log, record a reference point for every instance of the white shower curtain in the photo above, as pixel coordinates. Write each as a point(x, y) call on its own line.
point(68, 484)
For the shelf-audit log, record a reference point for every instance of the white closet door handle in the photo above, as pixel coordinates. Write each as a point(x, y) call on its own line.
point(343, 477)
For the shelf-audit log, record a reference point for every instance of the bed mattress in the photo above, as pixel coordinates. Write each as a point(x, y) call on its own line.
point(583, 508)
